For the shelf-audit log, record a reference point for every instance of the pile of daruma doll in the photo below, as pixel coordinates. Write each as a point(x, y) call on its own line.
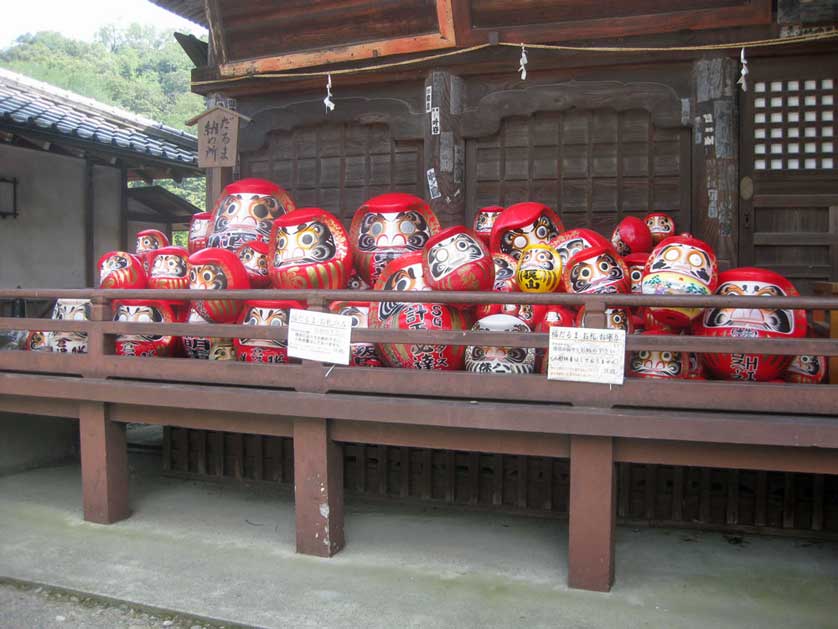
point(255, 237)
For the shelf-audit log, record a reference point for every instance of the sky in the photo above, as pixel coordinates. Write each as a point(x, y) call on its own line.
point(80, 19)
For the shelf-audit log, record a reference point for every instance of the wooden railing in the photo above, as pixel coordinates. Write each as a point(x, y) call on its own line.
point(772, 426)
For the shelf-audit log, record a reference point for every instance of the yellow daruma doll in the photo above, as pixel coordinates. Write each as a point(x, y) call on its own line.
point(539, 269)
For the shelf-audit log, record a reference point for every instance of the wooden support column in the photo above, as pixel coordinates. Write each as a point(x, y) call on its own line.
point(593, 494)
point(318, 489)
point(104, 465)
point(445, 149)
point(715, 164)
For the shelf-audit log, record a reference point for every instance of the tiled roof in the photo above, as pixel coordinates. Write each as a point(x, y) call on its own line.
point(25, 102)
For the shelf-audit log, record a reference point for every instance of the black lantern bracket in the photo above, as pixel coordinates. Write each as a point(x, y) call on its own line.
point(8, 197)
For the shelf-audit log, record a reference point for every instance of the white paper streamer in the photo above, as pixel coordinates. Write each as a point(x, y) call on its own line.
point(743, 72)
point(330, 104)
point(522, 68)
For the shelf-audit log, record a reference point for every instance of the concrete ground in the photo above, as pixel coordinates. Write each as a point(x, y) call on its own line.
point(226, 552)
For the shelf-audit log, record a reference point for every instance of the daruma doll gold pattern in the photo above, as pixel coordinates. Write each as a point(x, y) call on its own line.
point(309, 248)
point(120, 269)
point(539, 269)
point(217, 269)
point(386, 227)
point(456, 259)
point(168, 268)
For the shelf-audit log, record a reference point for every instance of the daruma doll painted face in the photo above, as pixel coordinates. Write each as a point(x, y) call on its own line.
point(524, 224)
point(309, 248)
point(596, 270)
point(632, 235)
point(636, 263)
point(615, 319)
point(403, 274)
point(146, 311)
point(496, 359)
point(386, 227)
point(456, 259)
point(254, 257)
point(168, 268)
point(246, 210)
point(806, 369)
point(217, 269)
point(362, 354)
point(199, 229)
point(652, 363)
point(751, 323)
point(681, 265)
point(120, 269)
point(484, 220)
point(660, 225)
point(264, 313)
point(539, 269)
point(151, 239)
point(571, 242)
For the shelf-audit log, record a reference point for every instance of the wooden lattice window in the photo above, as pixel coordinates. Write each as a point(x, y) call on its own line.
point(794, 125)
point(338, 166)
point(594, 166)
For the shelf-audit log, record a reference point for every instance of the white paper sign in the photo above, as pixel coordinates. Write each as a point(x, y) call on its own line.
point(586, 355)
point(319, 336)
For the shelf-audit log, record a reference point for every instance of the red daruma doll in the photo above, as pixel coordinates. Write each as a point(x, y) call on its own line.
point(681, 265)
point(456, 259)
point(309, 248)
point(254, 257)
point(484, 220)
point(147, 311)
point(596, 270)
point(406, 273)
point(524, 224)
point(217, 269)
point(751, 323)
point(199, 229)
point(264, 313)
point(168, 268)
point(632, 235)
point(246, 211)
point(653, 363)
point(386, 227)
point(148, 241)
point(120, 269)
point(660, 225)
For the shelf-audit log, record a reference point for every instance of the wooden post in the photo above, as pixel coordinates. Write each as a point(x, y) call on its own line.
point(445, 148)
point(318, 489)
point(592, 513)
point(104, 465)
point(715, 212)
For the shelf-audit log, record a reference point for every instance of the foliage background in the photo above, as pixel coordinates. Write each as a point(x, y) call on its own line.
point(138, 68)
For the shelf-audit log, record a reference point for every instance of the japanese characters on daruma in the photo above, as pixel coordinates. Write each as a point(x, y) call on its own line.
point(396, 243)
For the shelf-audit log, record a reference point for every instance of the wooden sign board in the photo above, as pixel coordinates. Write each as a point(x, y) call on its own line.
point(218, 139)
point(586, 355)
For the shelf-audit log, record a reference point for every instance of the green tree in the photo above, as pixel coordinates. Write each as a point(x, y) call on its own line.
point(138, 68)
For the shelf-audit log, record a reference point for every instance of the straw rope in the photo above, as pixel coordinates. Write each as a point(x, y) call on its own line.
point(758, 43)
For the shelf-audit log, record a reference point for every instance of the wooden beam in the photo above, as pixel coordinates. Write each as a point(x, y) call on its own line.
point(218, 43)
point(104, 465)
